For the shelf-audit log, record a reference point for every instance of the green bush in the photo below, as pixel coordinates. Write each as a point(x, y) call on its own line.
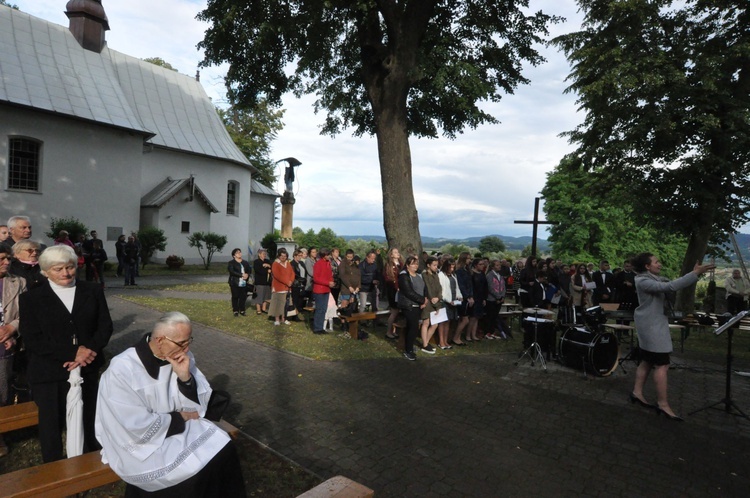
point(211, 242)
point(73, 226)
point(152, 239)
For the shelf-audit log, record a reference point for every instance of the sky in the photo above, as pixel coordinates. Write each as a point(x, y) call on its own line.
point(474, 185)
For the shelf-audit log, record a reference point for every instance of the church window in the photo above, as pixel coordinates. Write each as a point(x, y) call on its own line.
point(23, 164)
point(232, 197)
point(185, 228)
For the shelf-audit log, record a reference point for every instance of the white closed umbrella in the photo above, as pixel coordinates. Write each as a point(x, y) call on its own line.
point(74, 414)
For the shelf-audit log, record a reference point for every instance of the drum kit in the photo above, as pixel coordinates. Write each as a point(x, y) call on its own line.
point(582, 345)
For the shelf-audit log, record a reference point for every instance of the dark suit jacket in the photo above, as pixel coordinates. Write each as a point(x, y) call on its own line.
point(538, 295)
point(605, 284)
point(48, 329)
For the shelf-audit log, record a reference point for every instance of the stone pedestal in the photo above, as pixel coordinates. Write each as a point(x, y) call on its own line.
point(287, 215)
point(289, 245)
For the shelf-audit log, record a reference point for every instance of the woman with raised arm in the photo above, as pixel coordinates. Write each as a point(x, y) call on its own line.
point(652, 324)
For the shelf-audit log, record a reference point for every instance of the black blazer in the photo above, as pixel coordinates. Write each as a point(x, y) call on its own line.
point(235, 269)
point(538, 295)
point(48, 329)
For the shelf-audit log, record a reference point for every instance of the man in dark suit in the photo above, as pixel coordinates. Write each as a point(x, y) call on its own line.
point(605, 283)
point(65, 325)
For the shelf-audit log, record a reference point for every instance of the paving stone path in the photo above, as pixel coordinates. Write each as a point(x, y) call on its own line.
point(474, 426)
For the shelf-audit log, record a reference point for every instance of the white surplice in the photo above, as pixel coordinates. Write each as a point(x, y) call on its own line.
point(133, 417)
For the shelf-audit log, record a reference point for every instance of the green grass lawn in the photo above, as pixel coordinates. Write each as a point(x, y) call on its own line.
point(298, 338)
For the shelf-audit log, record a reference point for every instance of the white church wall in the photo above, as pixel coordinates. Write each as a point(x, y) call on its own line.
point(212, 177)
point(261, 218)
point(88, 171)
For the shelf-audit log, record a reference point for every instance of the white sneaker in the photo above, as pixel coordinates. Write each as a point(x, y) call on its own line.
point(287, 322)
point(276, 324)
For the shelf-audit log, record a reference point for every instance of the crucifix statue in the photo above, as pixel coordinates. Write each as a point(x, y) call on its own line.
point(535, 222)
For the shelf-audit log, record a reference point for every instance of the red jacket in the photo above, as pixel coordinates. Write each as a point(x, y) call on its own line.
point(322, 276)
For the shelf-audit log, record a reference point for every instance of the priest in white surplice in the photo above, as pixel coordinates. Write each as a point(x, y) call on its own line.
point(149, 420)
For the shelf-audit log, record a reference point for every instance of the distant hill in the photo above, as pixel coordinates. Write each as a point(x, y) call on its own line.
point(518, 243)
point(511, 243)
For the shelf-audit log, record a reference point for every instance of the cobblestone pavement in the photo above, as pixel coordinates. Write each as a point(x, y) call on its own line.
point(475, 426)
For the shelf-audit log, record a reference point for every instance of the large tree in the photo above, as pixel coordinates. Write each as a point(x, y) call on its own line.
point(388, 67)
point(666, 91)
point(596, 219)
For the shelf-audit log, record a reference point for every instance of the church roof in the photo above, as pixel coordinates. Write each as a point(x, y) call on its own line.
point(42, 66)
point(169, 188)
point(258, 188)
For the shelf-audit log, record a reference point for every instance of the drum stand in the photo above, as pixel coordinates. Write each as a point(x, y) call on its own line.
point(534, 352)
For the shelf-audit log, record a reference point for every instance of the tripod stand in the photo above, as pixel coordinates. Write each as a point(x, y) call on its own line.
point(534, 352)
point(727, 399)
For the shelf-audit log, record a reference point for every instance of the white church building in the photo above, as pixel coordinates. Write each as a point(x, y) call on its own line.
point(117, 142)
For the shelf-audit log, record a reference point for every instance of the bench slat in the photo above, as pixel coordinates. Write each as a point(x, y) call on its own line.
point(70, 476)
point(338, 487)
point(18, 416)
point(58, 479)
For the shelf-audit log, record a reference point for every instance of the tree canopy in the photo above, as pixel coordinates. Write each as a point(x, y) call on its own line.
point(394, 69)
point(491, 243)
point(665, 87)
point(252, 130)
point(596, 219)
point(158, 61)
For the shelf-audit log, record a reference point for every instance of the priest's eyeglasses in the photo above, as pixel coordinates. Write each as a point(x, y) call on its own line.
point(181, 344)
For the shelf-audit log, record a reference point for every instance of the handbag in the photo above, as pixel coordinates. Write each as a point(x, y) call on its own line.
point(290, 309)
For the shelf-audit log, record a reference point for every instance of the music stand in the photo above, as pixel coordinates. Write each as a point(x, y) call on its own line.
point(535, 347)
point(727, 399)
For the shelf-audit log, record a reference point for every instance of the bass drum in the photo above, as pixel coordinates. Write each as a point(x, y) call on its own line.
point(593, 352)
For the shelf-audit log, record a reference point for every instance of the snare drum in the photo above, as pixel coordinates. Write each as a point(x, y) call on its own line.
point(597, 352)
point(545, 333)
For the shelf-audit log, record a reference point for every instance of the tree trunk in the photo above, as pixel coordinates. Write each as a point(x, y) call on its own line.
point(696, 249)
point(400, 218)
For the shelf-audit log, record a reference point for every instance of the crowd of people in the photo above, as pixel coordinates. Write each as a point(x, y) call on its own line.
point(150, 416)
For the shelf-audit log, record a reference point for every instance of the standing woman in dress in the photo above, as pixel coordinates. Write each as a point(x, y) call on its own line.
point(451, 296)
point(465, 309)
point(580, 294)
point(262, 272)
point(652, 324)
point(239, 272)
point(393, 265)
point(434, 294)
point(282, 275)
point(65, 324)
point(411, 301)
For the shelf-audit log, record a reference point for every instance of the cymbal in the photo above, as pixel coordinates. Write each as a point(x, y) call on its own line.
point(538, 311)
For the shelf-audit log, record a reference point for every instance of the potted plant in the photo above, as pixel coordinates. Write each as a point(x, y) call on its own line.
point(175, 262)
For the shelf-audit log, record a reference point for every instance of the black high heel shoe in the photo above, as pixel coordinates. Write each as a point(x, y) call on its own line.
point(659, 411)
point(635, 399)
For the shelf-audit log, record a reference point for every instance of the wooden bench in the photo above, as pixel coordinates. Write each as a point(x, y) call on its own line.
point(18, 416)
point(338, 487)
point(70, 476)
point(354, 320)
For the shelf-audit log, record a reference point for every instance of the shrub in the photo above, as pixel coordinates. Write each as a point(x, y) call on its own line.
point(73, 226)
point(152, 239)
point(213, 243)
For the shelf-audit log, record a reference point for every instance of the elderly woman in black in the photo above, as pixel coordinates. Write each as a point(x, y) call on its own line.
point(262, 272)
point(239, 272)
point(26, 262)
point(65, 324)
point(411, 301)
